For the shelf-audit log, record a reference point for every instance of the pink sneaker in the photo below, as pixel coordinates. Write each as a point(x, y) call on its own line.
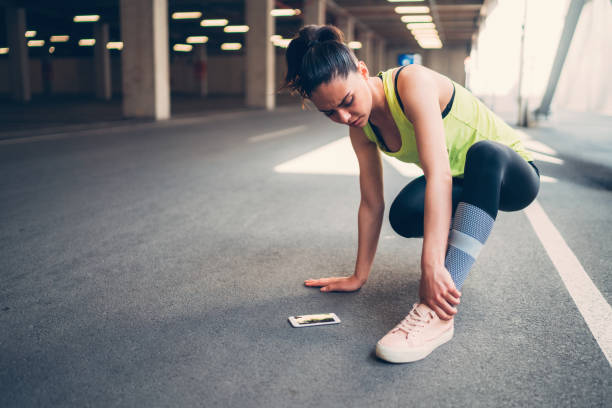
point(416, 336)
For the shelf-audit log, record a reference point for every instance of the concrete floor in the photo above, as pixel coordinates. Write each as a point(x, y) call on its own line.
point(155, 264)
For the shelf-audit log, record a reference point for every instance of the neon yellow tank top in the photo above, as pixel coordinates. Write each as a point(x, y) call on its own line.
point(468, 122)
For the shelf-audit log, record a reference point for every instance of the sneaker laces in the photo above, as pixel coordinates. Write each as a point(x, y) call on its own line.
point(413, 321)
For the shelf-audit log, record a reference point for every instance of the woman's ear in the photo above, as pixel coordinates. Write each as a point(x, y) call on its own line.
point(362, 68)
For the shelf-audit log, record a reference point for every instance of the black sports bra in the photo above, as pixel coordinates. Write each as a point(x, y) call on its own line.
point(445, 112)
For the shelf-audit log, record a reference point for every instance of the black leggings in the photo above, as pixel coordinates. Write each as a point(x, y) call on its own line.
point(495, 178)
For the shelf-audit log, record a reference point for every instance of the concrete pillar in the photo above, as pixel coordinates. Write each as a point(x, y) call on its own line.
point(145, 59)
point(367, 48)
point(380, 53)
point(200, 55)
point(314, 12)
point(260, 54)
point(102, 63)
point(347, 25)
point(18, 54)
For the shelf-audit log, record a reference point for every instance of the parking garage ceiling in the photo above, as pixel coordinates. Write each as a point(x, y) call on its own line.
point(456, 21)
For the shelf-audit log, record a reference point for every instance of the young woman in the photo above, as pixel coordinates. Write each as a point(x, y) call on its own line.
point(473, 165)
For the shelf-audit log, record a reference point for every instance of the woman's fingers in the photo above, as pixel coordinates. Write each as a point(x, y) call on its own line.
point(441, 313)
point(319, 282)
point(452, 299)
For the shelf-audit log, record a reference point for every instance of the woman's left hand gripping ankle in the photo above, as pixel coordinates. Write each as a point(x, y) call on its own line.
point(437, 290)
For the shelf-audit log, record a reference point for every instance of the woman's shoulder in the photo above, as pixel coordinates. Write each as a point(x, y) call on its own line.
point(414, 75)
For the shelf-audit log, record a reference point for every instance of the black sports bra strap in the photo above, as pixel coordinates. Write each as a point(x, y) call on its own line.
point(399, 100)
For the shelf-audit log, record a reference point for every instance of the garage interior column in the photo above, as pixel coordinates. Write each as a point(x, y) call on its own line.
point(260, 54)
point(314, 12)
point(18, 54)
point(347, 25)
point(102, 62)
point(145, 59)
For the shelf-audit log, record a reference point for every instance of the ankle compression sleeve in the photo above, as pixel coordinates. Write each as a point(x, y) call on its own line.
point(470, 229)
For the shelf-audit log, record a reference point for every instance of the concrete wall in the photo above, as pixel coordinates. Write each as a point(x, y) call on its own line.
point(448, 61)
point(76, 75)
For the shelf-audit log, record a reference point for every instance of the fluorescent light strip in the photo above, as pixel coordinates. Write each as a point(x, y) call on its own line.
point(4, 50)
point(115, 45)
point(86, 19)
point(355, 45)
point(417, 19)
point(231, 46)
point(186, 15)
point(404, 1)
point(412, 10)
point(30, 34)
point(219, 22)
point(412, 26)
point(182, 47)
point(36, 43)
point(202, 39)
point(285, 12)
point(87, 42)
point(59, 38)
point(236, 29)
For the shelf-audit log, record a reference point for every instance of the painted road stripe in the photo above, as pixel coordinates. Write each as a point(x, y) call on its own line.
point(546, 158)
point(276, 134)
point(596, 312)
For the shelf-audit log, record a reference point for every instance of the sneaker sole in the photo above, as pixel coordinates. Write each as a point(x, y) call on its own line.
point(415, 354)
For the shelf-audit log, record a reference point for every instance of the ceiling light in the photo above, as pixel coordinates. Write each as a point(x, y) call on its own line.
point(355, 45)
point(86, 19)
point(231, 46)
point(236, 29)
point(417, 19)
point(30, 34)
point(282, 42)
point(412, 9)
point(115, 45)
point(412, 26)
point(218, 22)
point(185, 15)
point(425, 31)
point(59, 38)
point(4, 50)
point(87, 42)
point(202, 39)
point(285, 12)
point(51, 50)
point(404, 1)
point(36, 43)
point(182, 47)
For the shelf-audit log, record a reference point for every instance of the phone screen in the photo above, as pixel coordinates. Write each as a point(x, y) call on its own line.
point(314, 318)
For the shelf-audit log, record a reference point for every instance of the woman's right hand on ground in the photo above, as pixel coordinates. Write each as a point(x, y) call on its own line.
point(339, 284)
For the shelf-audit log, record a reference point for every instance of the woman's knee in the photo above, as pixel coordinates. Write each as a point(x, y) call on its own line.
point(487, 152)
point(406, 218)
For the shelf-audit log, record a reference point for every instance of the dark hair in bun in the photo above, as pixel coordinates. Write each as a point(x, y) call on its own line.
point(316, 55)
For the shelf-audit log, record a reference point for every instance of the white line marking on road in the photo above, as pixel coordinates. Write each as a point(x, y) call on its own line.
point(539, 147)
point(596, 312)
point(278, 133)
point(546, 158)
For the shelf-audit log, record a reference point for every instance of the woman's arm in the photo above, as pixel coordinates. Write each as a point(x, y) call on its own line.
point(419, 93)
point(369, 220)
point(372, 205)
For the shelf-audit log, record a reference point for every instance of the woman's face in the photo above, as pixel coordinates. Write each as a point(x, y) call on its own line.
point(346, 100)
